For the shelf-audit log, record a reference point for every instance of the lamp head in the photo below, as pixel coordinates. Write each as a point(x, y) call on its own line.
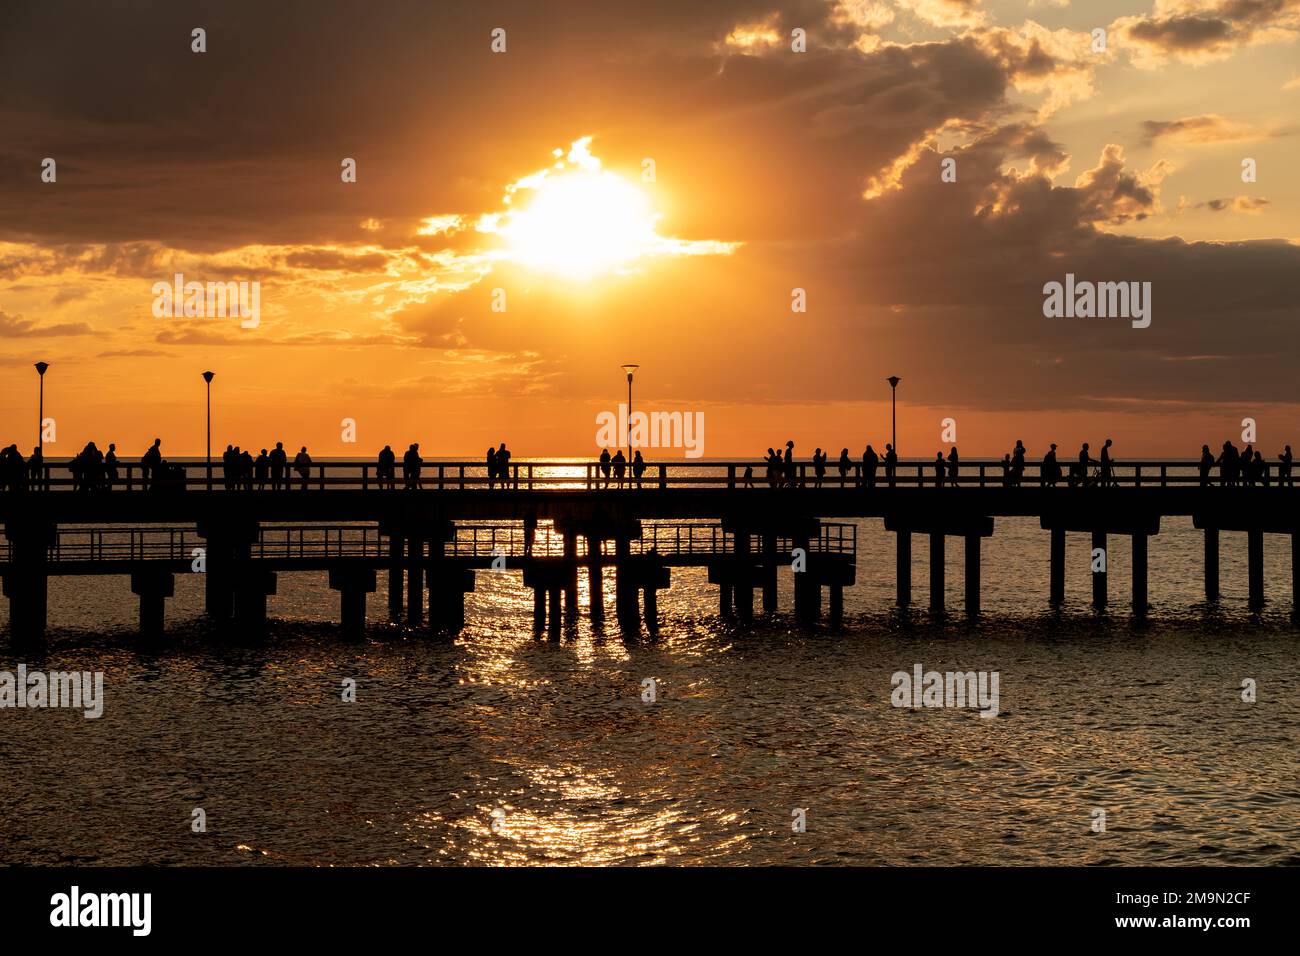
point(207, 377)
point(630, 369)
point(893, 381)
point(41, 367)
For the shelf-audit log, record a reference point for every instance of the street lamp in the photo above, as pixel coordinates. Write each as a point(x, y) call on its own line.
point(207, 377)
point(41, 368)
point(629, 369)
point(893, 381)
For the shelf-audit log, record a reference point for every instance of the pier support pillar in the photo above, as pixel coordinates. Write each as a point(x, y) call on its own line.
point(395, 547)
point(936, 572)
point(651, 609)
point(744, 592)
point(769, 580)
point(252, 588)
point(571, 576)
point(1057, 596)
point(153, 586)
point(837, 604)
point(554, 618)
point(1295, 574)
point(448, 586)
point(1255, 569)
point(972, 575)
point(1139, 574)
point(414, 581)
point(595, 579)
point(724, 600)
point(1211, 564)
point(353, 584)
point(903, 567)
point(26, 584)
point(539, 609)
point(1099, 597)
point(218, 589)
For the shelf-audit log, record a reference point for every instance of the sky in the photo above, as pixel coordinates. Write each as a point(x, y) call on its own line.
point(769, 207)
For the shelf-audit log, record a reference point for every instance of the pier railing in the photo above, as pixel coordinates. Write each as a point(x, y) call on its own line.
point(588, 476)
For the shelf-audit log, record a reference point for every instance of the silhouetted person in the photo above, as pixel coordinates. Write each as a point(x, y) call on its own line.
point(411, 463)
point(1079, 472)
point(503, 465)
point(279, 467)
point(262, 469)
point(1006, 470)
point(845, 466)
point(491, 467)
point(1228, 462)
point(1284, 469)
point(12, 469)
point(228, 468)
point(110, 467)
point(246, 470)
point(387, 468)
point(774, 468)
point(149, 463)
point(788, 469)
point(1246, 466)
point(748, 481)
point(302, 465)
point(36, 471)
point(938, 469)
point(1206, 465)
point(1107, 466)
point(819, 467)
point(1050, 472)
point(1261, 469)
point(604, 466)
point(620, 465)
point(953, 466)
point(1018, 463)
point(870, 462)
point(638, 467)
point(891, 464)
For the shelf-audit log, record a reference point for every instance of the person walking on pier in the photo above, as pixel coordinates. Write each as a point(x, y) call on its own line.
point(1284, 469)
point(748, 480)
point(1049, 472)
point(1206, 465)
point(149, 463)
point(845, 466)
point(938, 469)
point(387, 468)
point(12, 467)
point(819, 467)
point(1246, 466)
point(1261, 469)
point(620, 465)
point(773, 461)
point(279, 466)
point(491, 466)
point(1079, 471)
point(638, 467)
point(788, 466)
point(411, 463)
point(1107, 478)
point(262, 469)
point(246, 470)
point(604, 467)
point(870, 462)
point(953, 466)
point(302, 465)
point(891, 464)
point(36, 478)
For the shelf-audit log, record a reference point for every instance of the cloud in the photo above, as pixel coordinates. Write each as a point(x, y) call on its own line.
point(1199, 31)
point(1198, 130)
point(1250, 205)
point(16, 327)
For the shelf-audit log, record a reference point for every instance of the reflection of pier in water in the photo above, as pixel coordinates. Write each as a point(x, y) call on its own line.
point(552, 521)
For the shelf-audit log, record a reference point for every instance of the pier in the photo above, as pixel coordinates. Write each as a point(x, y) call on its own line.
point(550, 522)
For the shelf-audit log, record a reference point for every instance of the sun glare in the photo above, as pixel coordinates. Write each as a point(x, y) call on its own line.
point(576, 220)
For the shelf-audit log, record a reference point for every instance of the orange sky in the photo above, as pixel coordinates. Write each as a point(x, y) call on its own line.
point(503, 250)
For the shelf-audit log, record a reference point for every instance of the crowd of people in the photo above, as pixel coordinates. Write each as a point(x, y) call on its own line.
point(95, 470)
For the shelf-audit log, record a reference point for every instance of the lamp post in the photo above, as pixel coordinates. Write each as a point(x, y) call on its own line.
point(893, 381)
point(207, 377)
point(41, 368)
point(629, 369)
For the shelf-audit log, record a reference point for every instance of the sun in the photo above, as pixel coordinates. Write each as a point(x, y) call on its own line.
point(576, 220)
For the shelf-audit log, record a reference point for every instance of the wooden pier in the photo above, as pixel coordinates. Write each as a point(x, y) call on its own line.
point(551, 521)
